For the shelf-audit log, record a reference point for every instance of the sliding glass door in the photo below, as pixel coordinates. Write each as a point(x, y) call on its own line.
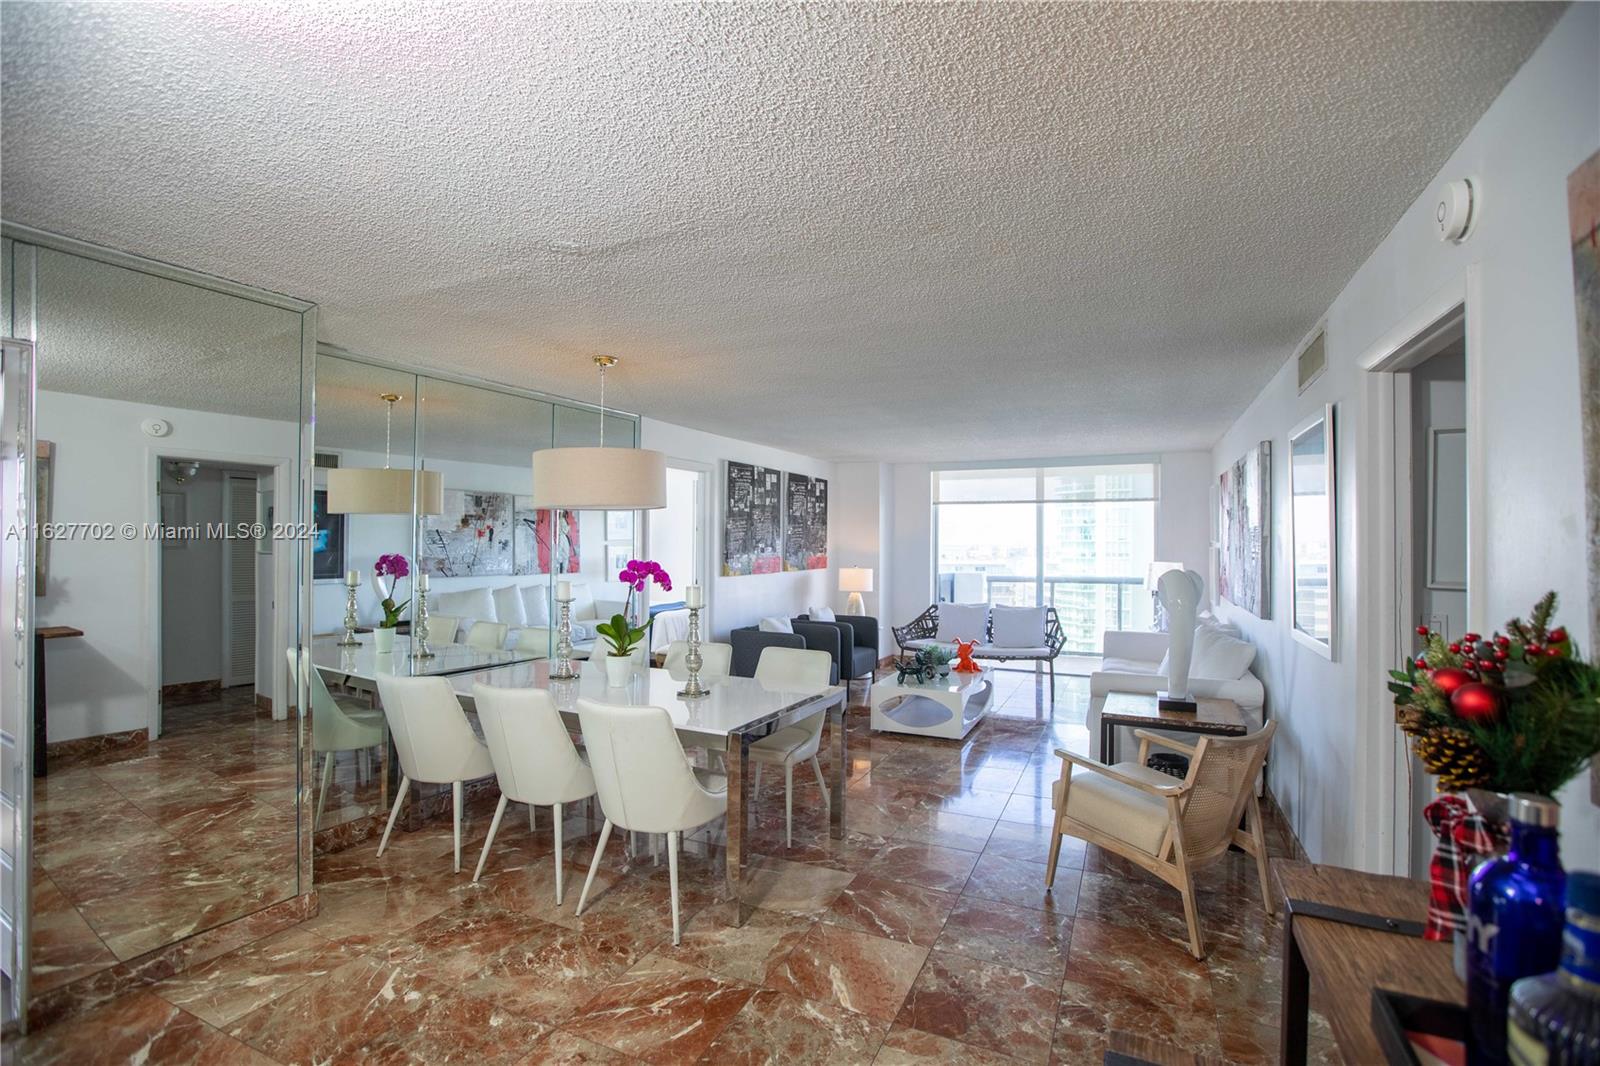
point(1078, 538)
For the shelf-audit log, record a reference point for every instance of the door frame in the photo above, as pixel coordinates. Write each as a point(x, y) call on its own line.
point(1384, 534)
point(225, 668)
point(283, 572)
point(708, 546)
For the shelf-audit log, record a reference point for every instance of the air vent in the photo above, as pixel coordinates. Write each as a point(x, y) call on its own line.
point(326, 461)
point(1313, 359)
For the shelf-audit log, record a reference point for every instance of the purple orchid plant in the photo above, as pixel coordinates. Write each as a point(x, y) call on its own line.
point(618, 633)
point(386, 573)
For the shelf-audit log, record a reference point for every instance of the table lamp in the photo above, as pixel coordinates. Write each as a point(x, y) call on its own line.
point(855, 580)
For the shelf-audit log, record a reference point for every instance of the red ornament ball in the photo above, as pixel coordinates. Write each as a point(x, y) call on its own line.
point(1422, 664)
point(1485, 664)
point(1422, 631)
point(1533, 649)
point(1475, 702)
point(1470, 638)
point(1450, 679)
point(1553, 653)
point(1455, 649)
point(1502, 641)
point(1558, 636)
point(1501, 655)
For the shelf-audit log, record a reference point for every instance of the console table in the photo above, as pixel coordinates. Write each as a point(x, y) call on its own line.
point(40, 736)
point(1140, 710)
point(1350, 931)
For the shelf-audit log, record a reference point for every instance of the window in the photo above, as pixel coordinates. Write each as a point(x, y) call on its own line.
point(1079, 538)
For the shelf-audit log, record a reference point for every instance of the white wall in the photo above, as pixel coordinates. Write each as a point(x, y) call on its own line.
point(1329, 761)
point(890, 513)
point(191, 587)
point(741, 601)
point(105, 470)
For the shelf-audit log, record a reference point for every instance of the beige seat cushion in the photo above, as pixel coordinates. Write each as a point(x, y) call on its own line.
point(1116, 809)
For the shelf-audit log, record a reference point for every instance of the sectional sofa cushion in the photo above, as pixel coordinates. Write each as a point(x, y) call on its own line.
point(1018, 627)
point(508, 608)
point(474, 604)
point(963, 621)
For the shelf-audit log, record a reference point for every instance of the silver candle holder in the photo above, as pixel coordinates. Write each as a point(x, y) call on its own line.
point(420, 648)
point(692, 689)
point(350, 619)
point(563, 670)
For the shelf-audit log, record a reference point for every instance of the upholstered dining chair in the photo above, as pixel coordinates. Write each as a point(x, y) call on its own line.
point(796, 670)
point(534, 760)
point(442, 628)
point(645, 782)
point(336, 727)
point(1171, 828)
point(487, 636)
point(434, 740)
point(716, 660)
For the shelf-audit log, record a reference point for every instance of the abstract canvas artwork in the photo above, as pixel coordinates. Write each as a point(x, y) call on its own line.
point(544, 542)
point(805, 538)
point(752, 521)
point(1583, 210)
point(1243, 531)
point(471, 537)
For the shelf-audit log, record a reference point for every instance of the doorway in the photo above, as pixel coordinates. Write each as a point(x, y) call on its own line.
point(216, 590)
point(678, 532)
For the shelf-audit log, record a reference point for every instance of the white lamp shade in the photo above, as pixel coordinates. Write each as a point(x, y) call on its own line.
point(855, 579)
point(599, 479)
point(369, 490)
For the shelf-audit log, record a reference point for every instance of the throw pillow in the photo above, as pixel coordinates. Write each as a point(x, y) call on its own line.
point(821, 614)
point(465, 603)
point(775, 625)
point(536, 605)
point(1220, 657)
point(963, 621)
point(1018, 627)
point(508, 606)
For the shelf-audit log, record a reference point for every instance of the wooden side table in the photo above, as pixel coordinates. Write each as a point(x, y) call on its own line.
point(1353, 931)
point(40, 635)
point(1139, 710)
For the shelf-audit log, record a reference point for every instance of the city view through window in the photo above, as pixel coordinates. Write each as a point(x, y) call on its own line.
point(1077, 538)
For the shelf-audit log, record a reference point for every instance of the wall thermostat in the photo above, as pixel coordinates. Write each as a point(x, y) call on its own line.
point(1456, 210)
point(157, 427)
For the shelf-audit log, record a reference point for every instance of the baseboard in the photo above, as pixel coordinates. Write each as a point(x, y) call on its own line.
point(92, 751)
point(141, 971)
point(263, 703)
point(187, 692)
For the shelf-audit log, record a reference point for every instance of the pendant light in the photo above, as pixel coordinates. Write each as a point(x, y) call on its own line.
point(599, 479)
point(367, 490)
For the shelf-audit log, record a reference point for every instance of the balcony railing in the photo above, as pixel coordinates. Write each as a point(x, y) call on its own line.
point(1087, 606)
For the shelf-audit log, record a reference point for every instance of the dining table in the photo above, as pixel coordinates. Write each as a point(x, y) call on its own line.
point(734, 714)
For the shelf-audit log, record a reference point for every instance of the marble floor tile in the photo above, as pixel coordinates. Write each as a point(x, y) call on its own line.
point(962, 832)
point(740, 953)
point(561, 1048)
point(905, 1046)
point(775, 1027)
point(551, 974)
point(1021, 882)
point(927, 865)
point(893, 910)
point(998, 1008)
point(1016, 840)
point(661, 1011)
point(1028, 939)
point(235, 984)
point(865, 973)
point(797, 888)
point(138, 1028)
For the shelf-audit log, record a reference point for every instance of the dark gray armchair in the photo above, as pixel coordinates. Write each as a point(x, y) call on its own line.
point(858, 645)
point(749, 641)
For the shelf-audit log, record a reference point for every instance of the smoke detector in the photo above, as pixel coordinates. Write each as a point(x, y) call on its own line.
point(1456, 210)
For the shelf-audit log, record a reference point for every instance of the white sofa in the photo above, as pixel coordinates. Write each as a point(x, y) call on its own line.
point(526, 609)
point(1135, 662)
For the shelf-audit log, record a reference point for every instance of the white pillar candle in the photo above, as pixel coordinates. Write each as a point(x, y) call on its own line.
point(352, 578)
point(563, 590)
point(422, 582)
point(694, 596)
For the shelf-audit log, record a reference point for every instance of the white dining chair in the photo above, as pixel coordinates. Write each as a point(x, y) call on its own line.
point(796, 670)
point(435, 742)
point(487, 636)
point(534, 760)
point(645, 782)
point(335, 726)
point(442, 628)
point(716, 661)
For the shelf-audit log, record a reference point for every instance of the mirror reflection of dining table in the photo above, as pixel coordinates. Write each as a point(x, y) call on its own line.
point(737, 712)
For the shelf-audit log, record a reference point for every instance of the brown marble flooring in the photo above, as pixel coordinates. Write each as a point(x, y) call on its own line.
point(925, 936)
point(131, 855)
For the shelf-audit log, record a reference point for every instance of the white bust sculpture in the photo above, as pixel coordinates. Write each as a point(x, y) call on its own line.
point(1181, 592)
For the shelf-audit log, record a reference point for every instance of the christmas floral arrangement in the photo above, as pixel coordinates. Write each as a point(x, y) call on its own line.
point(1517, 711)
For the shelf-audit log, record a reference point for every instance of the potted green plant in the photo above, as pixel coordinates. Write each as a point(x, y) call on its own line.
point(386, 575)
point(622, 636)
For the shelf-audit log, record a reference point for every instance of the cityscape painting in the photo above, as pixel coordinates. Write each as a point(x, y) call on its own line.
point(805, 538)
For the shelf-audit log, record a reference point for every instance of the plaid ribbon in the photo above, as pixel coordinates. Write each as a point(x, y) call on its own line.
point(1465, 839)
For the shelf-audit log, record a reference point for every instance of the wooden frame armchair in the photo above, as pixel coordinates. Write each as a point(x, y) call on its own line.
point(1171, 828)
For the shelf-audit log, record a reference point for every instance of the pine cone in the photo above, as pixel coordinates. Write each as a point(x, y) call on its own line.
point(1410, 719)
point(1455, 757)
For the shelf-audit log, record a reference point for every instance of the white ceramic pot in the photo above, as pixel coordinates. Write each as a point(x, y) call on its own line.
point(619, 670)
point(383, 640)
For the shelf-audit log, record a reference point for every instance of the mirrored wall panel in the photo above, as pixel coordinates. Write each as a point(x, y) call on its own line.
point(169, 428)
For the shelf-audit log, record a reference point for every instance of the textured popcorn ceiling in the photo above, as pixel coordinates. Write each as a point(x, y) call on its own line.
point(855, 230)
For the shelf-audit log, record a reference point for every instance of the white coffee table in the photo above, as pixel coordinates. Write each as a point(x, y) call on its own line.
point(948, 707)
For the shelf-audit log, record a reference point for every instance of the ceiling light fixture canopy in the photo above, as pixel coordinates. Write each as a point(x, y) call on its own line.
point(599, 479)
point(367, 490)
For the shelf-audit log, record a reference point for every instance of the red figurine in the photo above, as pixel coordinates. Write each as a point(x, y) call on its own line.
point(964, 663)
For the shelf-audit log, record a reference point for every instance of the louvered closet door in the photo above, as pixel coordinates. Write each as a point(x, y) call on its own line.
point(239, 580)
